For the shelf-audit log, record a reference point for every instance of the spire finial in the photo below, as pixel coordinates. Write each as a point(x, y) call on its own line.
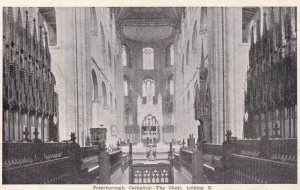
point(34, 35)
point(27, 28)
point(20, 29)
point(19, 19)
point(265, 23)
point(11, 24)
point(41, 37)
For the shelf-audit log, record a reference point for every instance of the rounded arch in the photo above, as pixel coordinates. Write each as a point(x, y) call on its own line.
point(194, 37)
point(95, 85)
point(104, 93)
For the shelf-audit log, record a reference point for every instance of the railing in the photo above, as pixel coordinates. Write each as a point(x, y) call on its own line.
point(56, 171)
point(248, 170)
point(275, 149)
point(212, 149)
point(151, 174)
point(38, 163)
point(88, 151)
point(284, 150)
point(125, 162)
point(244, 161)
point(19, 153)
point(58, 162)
point(259, 161)
point(213, 169)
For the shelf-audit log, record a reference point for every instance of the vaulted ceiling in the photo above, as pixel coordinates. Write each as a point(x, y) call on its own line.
point(147, 24)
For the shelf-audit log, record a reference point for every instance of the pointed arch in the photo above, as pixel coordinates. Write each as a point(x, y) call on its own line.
point(102, 37)
point(169, 55)
point(187, 53)
point(111, 100)
point(124, 56)
point(203, 20)
point(196, 86)
point(94, 23)
point(148, 87)
point(116, 105)
point(194, 38)
point(150, 121)
point(148, 58)
point(170, 85)
point(128, 116)
point(182, 68)
point(95, 85)
point(188, 101)
point(104, 93)
point(109, 56)
point(126, 86)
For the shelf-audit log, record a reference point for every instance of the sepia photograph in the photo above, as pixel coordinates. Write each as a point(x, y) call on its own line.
point(149, 95)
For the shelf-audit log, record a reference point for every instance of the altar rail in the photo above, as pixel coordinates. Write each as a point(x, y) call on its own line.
point(151, 174)
point(245, 161)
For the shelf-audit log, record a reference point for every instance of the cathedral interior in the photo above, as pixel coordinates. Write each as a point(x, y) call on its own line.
point(135, 95)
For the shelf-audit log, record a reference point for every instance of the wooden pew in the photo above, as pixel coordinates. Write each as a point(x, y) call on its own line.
point(91, 163)
point(40, 163)
point(264, 160)
point(213, 168)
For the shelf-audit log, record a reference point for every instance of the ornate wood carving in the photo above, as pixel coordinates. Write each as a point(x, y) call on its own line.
point(28, 85)
point(271, 77)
